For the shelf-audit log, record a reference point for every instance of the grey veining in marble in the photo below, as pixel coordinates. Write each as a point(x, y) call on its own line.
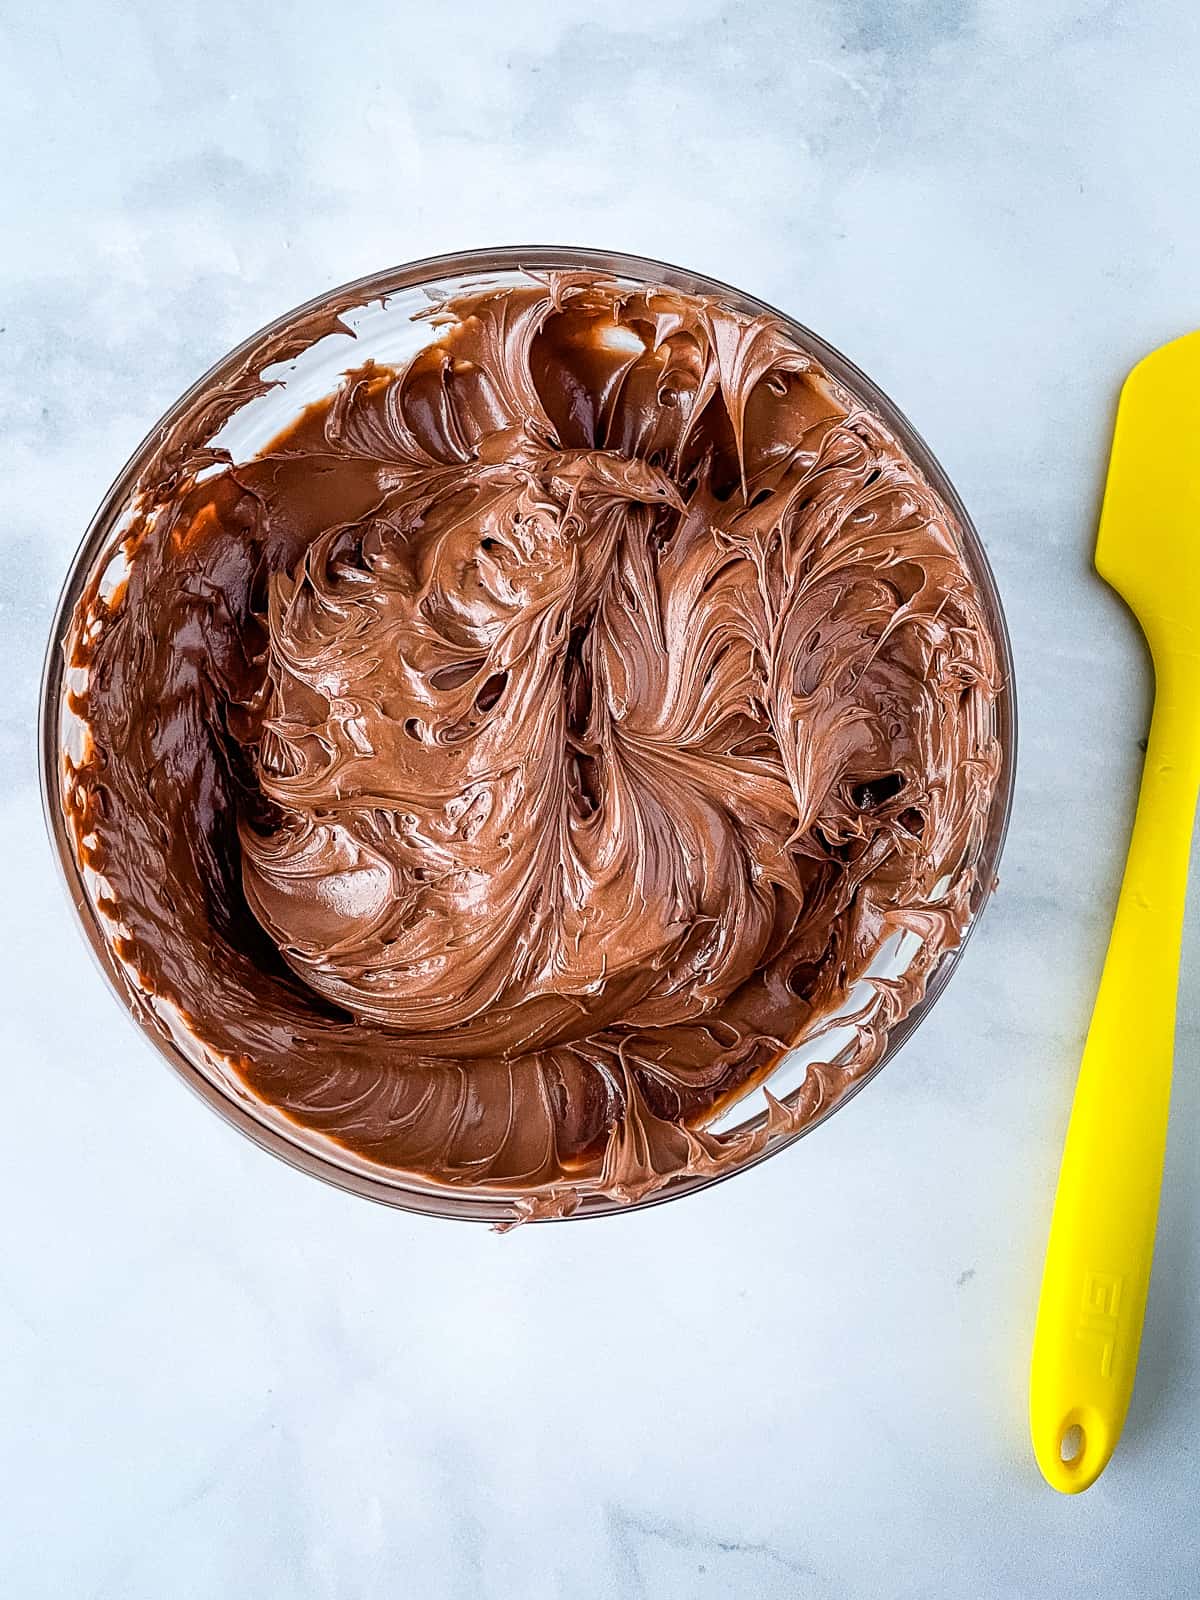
point(219, 1378)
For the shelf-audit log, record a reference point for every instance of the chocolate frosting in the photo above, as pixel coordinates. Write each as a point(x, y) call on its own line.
point(507, 765)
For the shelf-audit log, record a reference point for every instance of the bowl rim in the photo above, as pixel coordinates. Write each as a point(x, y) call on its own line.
point(399, 1190)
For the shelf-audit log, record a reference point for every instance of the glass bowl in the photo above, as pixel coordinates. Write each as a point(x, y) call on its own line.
point(306, 361)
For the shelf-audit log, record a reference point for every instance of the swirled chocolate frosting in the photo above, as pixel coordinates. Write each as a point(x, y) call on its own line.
point(504, 768)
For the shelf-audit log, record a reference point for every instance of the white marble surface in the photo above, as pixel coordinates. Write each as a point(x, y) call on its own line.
point(220, 1378)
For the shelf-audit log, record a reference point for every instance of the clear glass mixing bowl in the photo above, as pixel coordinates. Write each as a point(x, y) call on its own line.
point(382, 311)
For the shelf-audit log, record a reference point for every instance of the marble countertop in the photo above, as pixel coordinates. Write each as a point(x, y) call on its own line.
point(218, 1377)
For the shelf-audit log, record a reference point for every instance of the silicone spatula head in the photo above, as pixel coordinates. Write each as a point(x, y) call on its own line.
point(1148, 546)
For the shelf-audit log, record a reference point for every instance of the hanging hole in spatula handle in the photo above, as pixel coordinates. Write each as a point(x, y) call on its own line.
point(1081, 1451)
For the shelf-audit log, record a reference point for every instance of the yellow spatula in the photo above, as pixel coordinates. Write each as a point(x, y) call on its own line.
point(1102, 1237)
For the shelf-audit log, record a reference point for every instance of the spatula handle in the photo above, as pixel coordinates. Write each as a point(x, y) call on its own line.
point(1097, 1271)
